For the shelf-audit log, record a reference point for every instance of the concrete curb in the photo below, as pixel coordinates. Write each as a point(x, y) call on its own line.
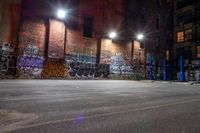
point(173, 82)
point(196, 83)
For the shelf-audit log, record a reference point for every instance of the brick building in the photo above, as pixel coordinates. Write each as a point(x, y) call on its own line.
point(187, 28)
point(187, 35)
point(77, 47)
point(155, 20)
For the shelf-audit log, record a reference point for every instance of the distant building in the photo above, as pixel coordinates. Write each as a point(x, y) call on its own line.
point(154, 19)
point(187, 29)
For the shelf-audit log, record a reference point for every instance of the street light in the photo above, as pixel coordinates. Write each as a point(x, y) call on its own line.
point(61, 14)
point(113, 35)
point(140, 36)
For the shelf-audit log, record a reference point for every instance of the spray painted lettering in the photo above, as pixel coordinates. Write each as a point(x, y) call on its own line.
point(30, 66)
point(30, 61)
point(84, 67)
point(4, 63)
point(31, 50)
point(53, 69)
point(7, 60)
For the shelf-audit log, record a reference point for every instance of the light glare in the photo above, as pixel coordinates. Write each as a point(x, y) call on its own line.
point(113, 35)
point(140, 36)
point(61, 14)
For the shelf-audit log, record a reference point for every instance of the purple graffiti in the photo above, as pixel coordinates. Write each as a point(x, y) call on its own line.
point(30, 61)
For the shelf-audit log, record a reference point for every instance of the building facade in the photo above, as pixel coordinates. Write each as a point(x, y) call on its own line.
point(9, 29)
point(76, 47)
point(187, 35)
point(154, 19)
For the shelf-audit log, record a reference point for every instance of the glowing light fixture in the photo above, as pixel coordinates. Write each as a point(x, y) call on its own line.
point(113, 35)
point(61, 13)
point(140, 36)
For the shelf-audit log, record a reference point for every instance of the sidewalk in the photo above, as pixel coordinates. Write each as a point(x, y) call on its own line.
point(196, 83)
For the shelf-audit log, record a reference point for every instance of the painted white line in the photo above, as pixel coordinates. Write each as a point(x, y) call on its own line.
point(109, 114)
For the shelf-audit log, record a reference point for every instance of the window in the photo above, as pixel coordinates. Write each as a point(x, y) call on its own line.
point(167, 55)
point(158, 22)
point(198, 51)
point(142, 15)
point(180, 37)
point(184, 17)
point(88, 26)
point(188, 35)
point(157, 44)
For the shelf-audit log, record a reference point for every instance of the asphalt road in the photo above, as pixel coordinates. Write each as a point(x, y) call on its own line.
point(53, 106)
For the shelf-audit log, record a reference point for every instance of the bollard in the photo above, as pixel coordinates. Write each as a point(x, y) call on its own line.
point(182, 71)
point(165, 69)
point(151, 70)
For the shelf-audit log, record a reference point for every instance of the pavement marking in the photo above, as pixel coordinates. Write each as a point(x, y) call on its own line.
point(108, 114)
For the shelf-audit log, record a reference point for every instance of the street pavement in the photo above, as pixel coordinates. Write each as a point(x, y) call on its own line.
point(59, 106)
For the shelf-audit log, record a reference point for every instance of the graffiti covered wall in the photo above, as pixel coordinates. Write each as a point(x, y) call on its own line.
point(31, 49)
point(7, 61)
point(118, 57)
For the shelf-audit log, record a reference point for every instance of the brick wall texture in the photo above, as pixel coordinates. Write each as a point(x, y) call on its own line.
point(43, 39)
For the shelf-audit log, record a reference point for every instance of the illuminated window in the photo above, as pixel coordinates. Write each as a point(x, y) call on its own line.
point(188, 35)
point(180, 37)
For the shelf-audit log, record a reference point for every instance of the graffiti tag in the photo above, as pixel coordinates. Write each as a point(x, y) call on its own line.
point(30, 61)
point(54, 69)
